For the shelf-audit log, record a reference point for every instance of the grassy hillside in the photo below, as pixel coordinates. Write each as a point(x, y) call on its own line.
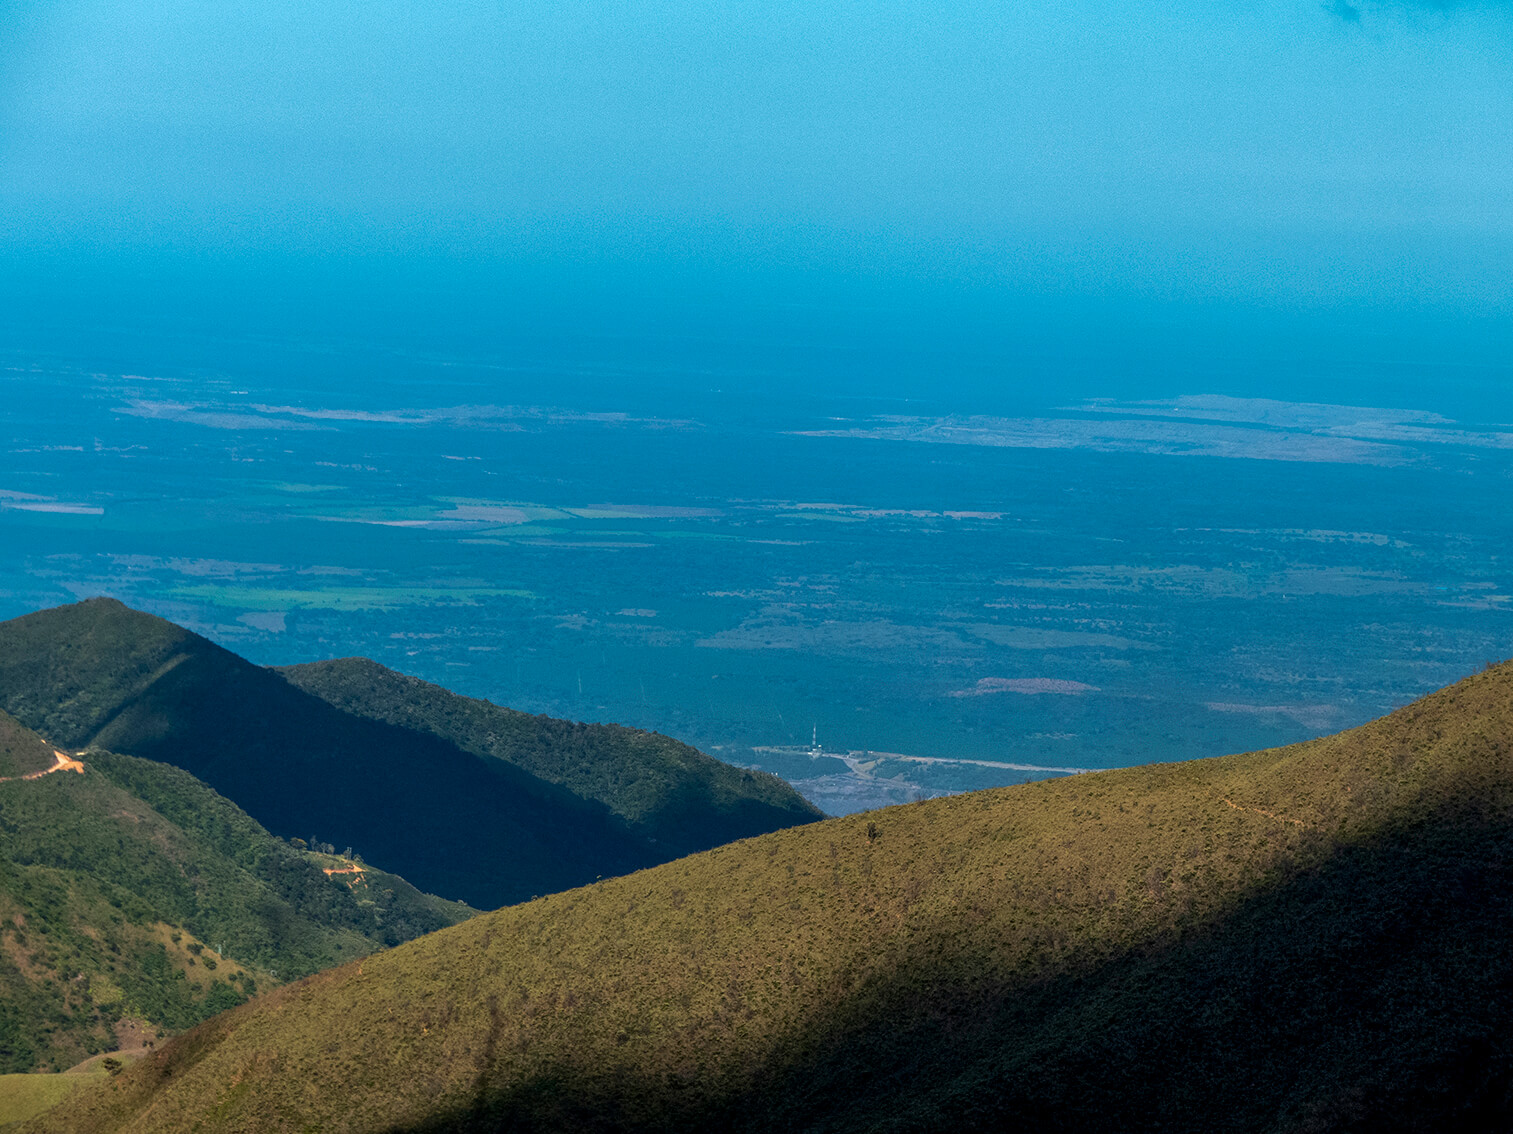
point(1308, 938)
point(674, 794)
point(118, 885)
point(483, 830)
point(26, 1096)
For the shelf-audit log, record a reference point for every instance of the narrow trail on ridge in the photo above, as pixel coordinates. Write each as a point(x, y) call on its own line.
point(1263, 811)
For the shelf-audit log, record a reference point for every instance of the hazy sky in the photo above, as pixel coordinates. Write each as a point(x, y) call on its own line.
point(1234, 148)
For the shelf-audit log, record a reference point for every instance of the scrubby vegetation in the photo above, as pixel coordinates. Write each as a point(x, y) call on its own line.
point(1307, 938)
point(682, 799)
point(133, 891)
point(454, 823)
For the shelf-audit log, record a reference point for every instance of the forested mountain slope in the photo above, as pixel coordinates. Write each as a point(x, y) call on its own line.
point(132, 896)
point(674, 794)
point(22, 752)
point(466, 826)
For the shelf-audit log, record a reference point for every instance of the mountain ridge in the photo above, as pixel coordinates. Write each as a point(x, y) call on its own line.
point(1310, 937)
point(452, 822)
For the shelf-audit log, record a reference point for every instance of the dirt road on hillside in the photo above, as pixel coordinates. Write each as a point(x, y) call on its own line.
point(64, 763)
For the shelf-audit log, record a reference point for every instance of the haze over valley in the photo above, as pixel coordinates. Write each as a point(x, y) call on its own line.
point(1084, 583)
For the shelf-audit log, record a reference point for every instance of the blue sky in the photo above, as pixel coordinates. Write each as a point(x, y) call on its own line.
point(1248, 149)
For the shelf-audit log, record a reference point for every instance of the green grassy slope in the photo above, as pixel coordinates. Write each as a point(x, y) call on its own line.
point(26, 1096)
point(1308, 938)
point(118, 884)
point(684, 800)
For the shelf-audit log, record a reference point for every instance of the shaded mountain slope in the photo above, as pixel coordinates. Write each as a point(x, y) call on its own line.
point(480, 829)
point(1307, 938)
point(673, 793)
point(97, 673)
point(118, 882)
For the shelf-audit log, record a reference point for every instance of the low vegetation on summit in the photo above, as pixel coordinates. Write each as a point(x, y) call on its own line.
point(1305, 938)
point(135, 902)
point(411, 795)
